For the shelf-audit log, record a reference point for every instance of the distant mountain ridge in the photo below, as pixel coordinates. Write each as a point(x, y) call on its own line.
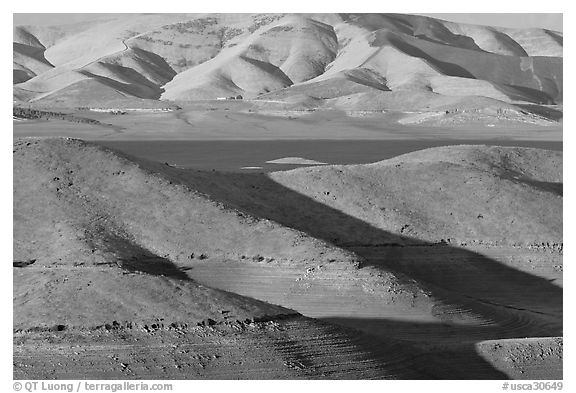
point(342, 61)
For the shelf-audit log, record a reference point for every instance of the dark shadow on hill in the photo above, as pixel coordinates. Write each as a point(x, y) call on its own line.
point(549, 113)
point(499, 301)
point(136, 259)
point(142, 91)
point(507, 303)
point(460, 277)
point(432, 359)
point(156, 63)
point(555, 36)
point(555, 188)
point(523, 93)
point(26, 263)
point(153, 265)
point(444, 67)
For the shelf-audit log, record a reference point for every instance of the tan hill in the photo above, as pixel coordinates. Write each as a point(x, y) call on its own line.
point(447, 64)
point(528, 358)
point(134, 254)
point(92, 273)
point(28, 56)
point(97, 51)
point(480, 222)
point(69, 185)
point(95, 92)
point(277, 57)
point(538, 42)
point(133, 73)
point(289, 51)
point(29, 61)
point(461, 193)
point(120, 210)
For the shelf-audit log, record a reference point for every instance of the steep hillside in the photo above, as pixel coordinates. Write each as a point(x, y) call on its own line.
point(28, 56)
point(289, 51)
point(28, 62)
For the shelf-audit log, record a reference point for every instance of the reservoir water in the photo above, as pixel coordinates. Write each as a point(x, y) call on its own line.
point(253, 155)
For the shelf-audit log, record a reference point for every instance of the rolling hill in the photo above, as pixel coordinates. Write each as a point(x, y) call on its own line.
point(342, 61)
point(99, 279)
point(130, 268)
